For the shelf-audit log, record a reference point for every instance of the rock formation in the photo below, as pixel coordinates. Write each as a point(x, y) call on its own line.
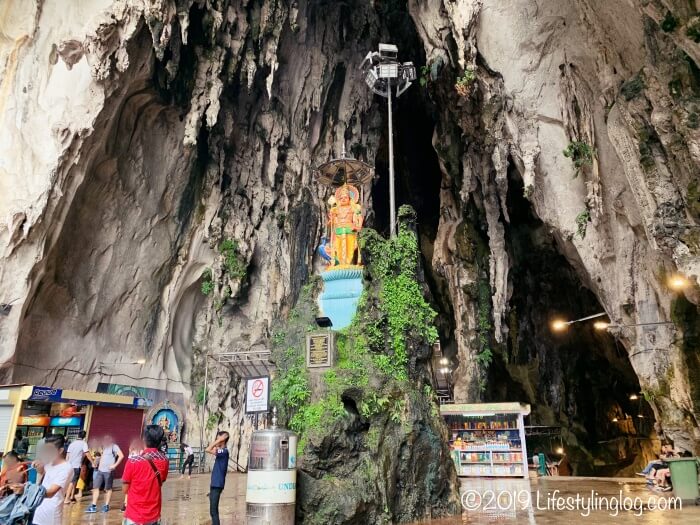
point(373, 446)
point(156, 200)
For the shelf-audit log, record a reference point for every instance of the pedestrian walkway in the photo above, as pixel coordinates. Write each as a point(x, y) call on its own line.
point(546, 501)
point(184, 502)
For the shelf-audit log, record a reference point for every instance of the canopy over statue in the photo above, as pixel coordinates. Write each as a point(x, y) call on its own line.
point(344, 170)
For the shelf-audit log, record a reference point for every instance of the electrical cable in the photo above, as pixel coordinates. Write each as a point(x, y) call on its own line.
point(82, 373)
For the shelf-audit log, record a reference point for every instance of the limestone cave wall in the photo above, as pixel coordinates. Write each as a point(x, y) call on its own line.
point(157, 202)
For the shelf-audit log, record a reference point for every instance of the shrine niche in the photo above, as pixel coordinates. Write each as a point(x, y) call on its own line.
point(169, 418)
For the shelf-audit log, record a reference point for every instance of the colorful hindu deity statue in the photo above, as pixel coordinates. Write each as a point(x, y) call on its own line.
point(345, 222)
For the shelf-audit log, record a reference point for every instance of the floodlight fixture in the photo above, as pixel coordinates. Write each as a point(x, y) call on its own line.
point(383, 72)
point(324, 322)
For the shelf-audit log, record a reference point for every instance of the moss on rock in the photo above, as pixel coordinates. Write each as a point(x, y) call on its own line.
point(374, 446)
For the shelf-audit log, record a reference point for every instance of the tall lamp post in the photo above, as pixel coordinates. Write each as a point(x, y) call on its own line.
point(382, 72)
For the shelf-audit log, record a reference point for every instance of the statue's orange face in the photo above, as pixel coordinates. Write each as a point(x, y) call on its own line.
point(344, 198)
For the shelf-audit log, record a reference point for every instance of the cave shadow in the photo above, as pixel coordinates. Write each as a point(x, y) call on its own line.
point(580, 379)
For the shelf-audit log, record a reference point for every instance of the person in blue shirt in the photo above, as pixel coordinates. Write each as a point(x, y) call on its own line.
point(219, 450)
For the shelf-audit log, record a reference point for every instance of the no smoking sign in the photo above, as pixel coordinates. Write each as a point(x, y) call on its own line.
point(257, 398)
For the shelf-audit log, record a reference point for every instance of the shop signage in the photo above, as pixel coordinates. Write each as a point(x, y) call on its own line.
point(44, 393)
point(33, 421)
point(319, 349)
point(257, 395)
point(66, 421)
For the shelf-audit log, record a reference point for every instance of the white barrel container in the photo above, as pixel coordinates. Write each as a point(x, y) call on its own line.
point(271, 491)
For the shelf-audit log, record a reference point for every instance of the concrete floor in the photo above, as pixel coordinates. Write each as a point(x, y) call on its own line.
point(185, 502)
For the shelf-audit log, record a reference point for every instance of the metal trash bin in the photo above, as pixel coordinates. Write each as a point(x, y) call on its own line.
point(272, 478)
point(684, 477)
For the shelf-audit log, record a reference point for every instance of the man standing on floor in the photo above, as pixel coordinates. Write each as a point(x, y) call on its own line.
point(76, 452)
point(143, 479)
point(219, 450)
point(110, 459)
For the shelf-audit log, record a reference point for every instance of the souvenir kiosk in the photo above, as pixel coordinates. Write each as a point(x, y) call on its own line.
point(488, 440)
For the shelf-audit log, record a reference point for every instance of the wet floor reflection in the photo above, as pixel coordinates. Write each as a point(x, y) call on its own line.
point(185, 502)
point(532, 502)
point(550, 501)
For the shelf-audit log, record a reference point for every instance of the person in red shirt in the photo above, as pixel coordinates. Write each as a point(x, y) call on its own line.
point(142, 481)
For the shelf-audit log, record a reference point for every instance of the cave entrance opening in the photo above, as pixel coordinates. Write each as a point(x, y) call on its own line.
point(580, 383)
point(579, 379)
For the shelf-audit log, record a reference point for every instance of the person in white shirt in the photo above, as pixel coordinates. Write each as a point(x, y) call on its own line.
point(57, 474)
point(76, 453)
point(188, 454)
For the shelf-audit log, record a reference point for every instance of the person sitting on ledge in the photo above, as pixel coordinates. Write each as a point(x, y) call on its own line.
point(658, 464)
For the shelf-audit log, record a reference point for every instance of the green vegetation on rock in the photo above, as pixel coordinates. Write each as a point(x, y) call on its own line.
point(234, 264)
point(582, 220)
point(581, 154)
point(374, 400)
point(424, 75)
point(647, 139)
point(669, 23)
point(391, 315)
point(694, 199)
point(207, 282)
point(464, 84)
point(633, 87)
point(693, 29)
point(693, 121)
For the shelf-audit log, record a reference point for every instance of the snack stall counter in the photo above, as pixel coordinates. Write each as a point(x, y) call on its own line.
point(488, 440)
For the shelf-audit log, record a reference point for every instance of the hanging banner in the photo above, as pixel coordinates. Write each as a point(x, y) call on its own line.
point(257, 397)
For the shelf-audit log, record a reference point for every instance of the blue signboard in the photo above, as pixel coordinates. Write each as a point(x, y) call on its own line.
point(45, 393)
point(74, 421)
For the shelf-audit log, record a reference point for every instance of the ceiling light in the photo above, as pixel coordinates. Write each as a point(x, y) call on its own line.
point(601, 325)
point(634, 397)
point(678, 282)
point(559, 325)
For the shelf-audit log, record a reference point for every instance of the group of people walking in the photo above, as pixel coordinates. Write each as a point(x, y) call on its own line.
point(64, 471)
